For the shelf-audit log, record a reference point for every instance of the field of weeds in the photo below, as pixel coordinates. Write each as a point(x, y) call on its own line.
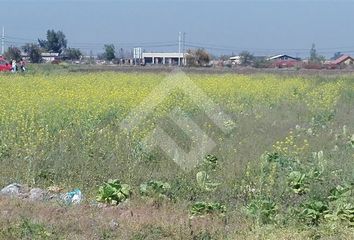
point(281, 165)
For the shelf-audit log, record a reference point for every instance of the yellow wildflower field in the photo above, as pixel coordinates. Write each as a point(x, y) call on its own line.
point(45, 118)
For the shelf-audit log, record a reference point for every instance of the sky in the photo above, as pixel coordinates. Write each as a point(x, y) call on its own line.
point(263, 27)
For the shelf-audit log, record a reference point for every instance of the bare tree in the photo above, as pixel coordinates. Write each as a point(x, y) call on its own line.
point(199, 57)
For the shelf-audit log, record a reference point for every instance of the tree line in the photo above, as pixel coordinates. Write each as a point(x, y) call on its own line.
point(55, 42)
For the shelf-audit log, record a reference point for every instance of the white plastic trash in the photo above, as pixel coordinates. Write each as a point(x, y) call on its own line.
point(73, 197)
point(13, 189)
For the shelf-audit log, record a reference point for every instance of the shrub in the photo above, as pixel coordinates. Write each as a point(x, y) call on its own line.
point(210, 162)
point(204, 182)
point(298, 182)
point(155, 189)
point(113, 192)
point(205, 208)
point(312, 212)
point(263, 210)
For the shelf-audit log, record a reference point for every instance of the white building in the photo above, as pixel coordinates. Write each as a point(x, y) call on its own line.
point(164, 58)
point(283, 57)
point(46, 57)
point(50, 57)
point(235, 60)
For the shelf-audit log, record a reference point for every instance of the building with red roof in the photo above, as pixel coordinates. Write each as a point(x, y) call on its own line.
point(343, 60)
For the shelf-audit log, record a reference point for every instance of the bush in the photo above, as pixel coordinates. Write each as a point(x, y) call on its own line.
point(155, 189)
point(263, 210)
point(207, 208)
point(113, 192)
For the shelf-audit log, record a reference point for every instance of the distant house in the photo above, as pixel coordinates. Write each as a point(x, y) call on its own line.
point(235, 60)
point(47, 57)
point(284, 61)
point(50, 57)
point(164, 58)
point(343, 60)
point(282, 57)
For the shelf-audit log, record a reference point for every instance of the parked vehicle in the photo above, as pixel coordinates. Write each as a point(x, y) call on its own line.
point(4, 65)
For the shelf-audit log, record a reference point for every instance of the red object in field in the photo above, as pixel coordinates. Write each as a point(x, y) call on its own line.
point(285, 63)
point(4, 66)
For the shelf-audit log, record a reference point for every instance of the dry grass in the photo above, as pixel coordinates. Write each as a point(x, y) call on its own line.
point(131, 221)
point(20, 219)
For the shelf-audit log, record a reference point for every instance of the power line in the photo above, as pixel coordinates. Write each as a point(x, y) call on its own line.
point(126, 43)
point(182, 44)
point(221, 47)
point(3, 41)
point(179, 47)
point(25, 39)
point(100, 44)
point(130, 45)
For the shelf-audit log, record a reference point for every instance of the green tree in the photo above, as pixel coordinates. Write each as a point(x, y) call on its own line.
point(337, 55)
point(314, 57)
point(72, 53)
point(313, 52)
point(109, 52)
point(246, 58)
point(33, 51)
point(13, 53)
point(55, 42)
point(121, 53)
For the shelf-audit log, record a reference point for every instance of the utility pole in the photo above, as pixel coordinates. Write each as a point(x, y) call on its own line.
point(184, 48)
point(3, 41)
point(179, 48)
